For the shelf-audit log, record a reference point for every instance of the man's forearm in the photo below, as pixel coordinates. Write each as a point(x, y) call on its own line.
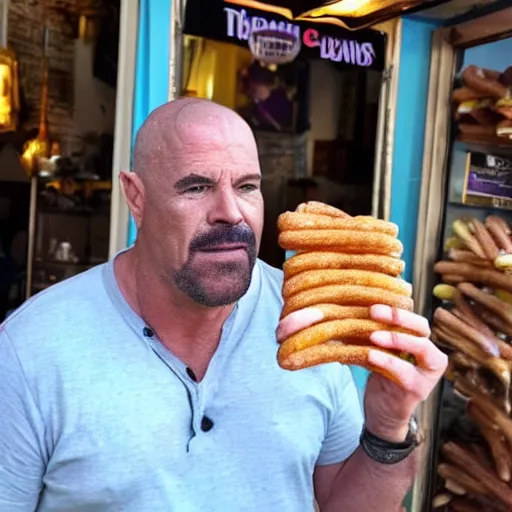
point(363, 484)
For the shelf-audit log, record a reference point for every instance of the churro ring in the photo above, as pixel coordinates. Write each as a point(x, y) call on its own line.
point(335, 312)
point(335, 260)
point(346, 296)
point(340, 240)
point(319, 208)
point(292, 221)
point(335, 352)
point(316, 278)
point(355, 329)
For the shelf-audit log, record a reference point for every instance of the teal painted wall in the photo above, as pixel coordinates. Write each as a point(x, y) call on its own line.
point(409, 136)
point(410, 132)
point(152, 70)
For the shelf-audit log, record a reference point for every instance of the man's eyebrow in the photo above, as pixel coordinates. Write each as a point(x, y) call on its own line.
point(248, 177)
point(192, 180)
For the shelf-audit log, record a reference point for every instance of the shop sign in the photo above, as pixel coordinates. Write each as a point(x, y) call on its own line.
point(340, 50)
point(241, 26)
point(270, 33)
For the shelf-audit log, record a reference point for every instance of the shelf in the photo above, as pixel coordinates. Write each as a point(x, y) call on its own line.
point(454, 204)
point(486, 144)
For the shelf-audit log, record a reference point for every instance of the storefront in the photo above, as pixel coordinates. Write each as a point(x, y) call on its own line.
point(68, 73)
point(420, 165)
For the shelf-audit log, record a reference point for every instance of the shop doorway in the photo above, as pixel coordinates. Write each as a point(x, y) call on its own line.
point(56, 158)
point(314, 116)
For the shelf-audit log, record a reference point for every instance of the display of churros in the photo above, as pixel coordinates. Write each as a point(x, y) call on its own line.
point(343, 265)
point(472, 323)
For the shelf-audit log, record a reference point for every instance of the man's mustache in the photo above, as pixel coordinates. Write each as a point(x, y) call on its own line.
point(224, 234)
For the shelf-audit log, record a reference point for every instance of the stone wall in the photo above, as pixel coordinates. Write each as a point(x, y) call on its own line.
point(25, 36)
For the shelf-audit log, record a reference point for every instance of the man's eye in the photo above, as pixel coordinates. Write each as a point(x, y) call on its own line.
point(249, 187)
point(198, 189)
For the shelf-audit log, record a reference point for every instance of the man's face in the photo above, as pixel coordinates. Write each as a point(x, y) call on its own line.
point(203, 217)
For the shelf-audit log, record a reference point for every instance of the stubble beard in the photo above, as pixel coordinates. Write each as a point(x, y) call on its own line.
point(215, 284)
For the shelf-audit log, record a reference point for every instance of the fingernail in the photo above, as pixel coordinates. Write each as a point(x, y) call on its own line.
point(381, 337)
point(377, 357)
point(381, 311)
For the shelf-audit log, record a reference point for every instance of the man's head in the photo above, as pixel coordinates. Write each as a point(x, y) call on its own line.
point(196, 199)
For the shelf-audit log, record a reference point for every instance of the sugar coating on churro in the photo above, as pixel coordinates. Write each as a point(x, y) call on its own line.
point(344, 265)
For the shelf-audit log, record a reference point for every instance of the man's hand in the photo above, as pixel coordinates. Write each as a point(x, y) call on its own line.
point(389, 405)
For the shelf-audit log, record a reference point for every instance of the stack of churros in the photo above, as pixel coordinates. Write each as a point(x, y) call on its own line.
point(343, 265)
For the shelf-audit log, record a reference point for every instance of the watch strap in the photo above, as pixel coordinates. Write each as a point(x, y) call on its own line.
point(386, 452)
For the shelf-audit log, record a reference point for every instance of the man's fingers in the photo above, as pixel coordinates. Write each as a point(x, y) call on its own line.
point(427, 355)
point(408, 377)
point(297, 321)
point(400, 318)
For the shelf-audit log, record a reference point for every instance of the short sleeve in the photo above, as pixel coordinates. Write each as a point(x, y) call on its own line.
point(21, 436)
point(346, 422)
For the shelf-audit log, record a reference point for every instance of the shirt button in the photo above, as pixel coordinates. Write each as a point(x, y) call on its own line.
point(206, 424)
point(148, 332)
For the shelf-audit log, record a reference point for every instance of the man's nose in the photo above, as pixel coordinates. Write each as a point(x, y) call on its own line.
point(225, 208)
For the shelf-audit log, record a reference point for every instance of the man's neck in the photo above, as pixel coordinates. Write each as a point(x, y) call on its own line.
point(190, 331)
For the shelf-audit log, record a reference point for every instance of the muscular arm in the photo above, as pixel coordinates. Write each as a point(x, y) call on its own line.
point(362, 484)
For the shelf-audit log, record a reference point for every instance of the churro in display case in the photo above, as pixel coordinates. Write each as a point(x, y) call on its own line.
point(473, 324)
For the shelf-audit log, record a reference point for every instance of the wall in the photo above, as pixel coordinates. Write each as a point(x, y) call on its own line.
point(213, 73)
point(326, 86)
point(410, 132)
point(496, 55)
point(94, 100)
point(411, 113)
point(25, 35)
point(76, 99)
point(152, 68)
point(329, 88)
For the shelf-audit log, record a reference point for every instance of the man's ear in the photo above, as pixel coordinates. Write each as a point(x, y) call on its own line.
point(133, 190)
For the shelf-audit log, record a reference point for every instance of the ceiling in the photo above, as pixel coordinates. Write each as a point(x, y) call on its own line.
point(454, 9)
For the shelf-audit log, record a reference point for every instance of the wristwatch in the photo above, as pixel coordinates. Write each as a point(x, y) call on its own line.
point(385, 452)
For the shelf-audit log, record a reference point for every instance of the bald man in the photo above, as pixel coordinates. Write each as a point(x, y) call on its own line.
point(150, 383)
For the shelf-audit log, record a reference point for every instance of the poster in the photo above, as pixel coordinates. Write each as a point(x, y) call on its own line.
point(488, 181)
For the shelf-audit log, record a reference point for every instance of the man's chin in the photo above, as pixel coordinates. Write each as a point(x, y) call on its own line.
point(219, 296)
point(216, 285)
